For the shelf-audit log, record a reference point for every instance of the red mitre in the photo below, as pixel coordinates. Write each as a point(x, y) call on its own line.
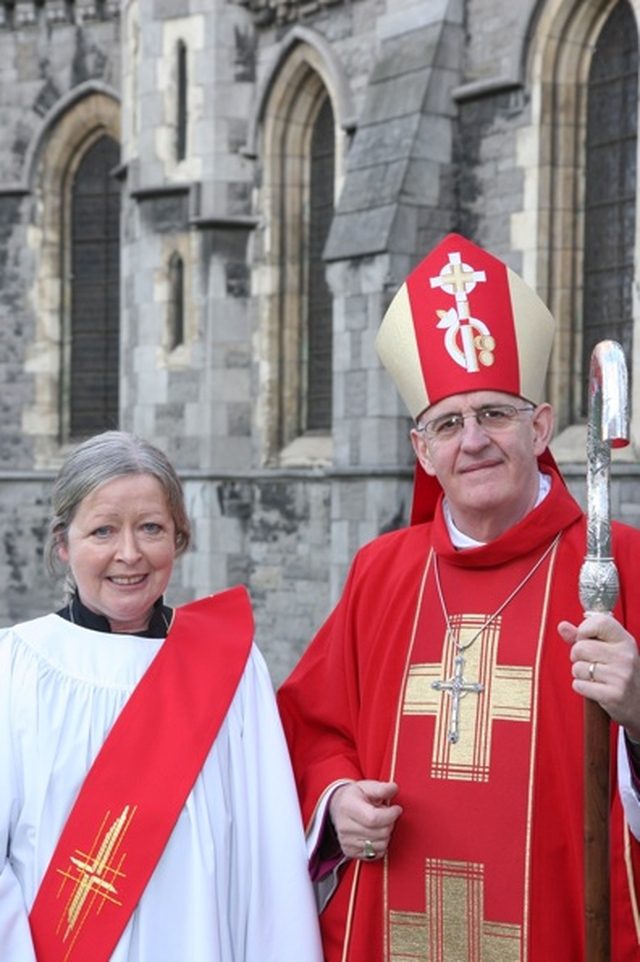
point(463, 321)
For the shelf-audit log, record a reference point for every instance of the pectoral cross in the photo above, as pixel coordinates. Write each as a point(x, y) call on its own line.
point(457, 688)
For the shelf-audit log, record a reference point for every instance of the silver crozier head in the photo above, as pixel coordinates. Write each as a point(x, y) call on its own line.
point(608, 426)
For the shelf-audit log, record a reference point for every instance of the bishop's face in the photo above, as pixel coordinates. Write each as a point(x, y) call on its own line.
point(121, 546)
point(483, 446)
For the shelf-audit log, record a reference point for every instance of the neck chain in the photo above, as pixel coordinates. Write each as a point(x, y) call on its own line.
point(499, 610)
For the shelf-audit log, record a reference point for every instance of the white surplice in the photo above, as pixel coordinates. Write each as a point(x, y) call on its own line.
point(232, 884)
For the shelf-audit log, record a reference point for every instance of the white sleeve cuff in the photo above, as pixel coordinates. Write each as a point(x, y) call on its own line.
point(628, 794)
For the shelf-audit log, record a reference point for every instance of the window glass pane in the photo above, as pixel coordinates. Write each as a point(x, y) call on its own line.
point(610, 188)
point(320, 318)
point(95, 300)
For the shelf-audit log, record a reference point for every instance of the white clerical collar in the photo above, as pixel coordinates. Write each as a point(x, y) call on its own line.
point(461, 540)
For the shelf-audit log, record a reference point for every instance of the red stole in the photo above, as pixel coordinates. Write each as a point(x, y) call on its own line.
point(139, 781)
point(457, 886)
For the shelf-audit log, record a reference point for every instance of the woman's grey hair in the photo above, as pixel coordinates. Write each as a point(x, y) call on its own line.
point(102, 458)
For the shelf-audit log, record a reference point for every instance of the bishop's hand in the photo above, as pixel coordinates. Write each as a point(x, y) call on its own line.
point(363, 817)
point(606, 667)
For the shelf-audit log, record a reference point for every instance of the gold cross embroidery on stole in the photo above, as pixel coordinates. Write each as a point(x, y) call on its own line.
point(93, 875)
point(453, 924)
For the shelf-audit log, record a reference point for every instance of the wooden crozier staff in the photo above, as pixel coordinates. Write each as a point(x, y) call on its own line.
point(608, 426)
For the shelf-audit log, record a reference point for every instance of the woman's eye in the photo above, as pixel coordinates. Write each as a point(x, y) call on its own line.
point(151, 527)
point(102, 532)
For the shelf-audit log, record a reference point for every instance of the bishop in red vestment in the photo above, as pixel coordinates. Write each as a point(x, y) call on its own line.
point(436, 721)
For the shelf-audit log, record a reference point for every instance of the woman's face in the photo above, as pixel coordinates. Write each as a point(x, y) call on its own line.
point(120, 547)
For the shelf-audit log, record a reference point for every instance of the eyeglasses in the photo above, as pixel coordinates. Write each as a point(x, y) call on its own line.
point(492, 419)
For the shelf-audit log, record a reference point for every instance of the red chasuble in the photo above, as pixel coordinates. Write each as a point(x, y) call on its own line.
point(140, 780)
point(477, 722)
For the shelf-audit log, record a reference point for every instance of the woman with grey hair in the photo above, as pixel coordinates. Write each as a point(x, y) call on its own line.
point(147, 806)
point(103, 458)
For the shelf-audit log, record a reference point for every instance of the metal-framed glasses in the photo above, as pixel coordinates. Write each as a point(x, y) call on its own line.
point(492, 418)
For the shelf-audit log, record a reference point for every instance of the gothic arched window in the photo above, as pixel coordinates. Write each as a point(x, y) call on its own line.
point(610, 198)
point(182, 115)
point(175, 319)
point(300, 137)
point(91, 356)
point(319, 338)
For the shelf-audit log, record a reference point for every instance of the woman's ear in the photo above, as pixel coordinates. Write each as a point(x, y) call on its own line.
point(60, 546)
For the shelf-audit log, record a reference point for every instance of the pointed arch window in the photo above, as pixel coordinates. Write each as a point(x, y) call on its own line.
point(91, 352)
point(610, 198)
point(182, 110)
point(175, 319)
point(299, 187)
point(319, 334)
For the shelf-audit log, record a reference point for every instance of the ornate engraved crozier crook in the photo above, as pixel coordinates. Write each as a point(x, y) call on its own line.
point(608, 426)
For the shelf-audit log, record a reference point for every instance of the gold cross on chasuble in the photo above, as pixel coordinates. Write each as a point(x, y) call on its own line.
point(453, 927)
point(466, 708)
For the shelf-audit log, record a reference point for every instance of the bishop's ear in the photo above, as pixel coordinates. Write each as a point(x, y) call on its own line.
point(421, 449)
point(543, 427)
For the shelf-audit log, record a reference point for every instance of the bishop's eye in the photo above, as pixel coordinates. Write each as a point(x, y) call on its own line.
point(495, 415)
point(445, 426)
